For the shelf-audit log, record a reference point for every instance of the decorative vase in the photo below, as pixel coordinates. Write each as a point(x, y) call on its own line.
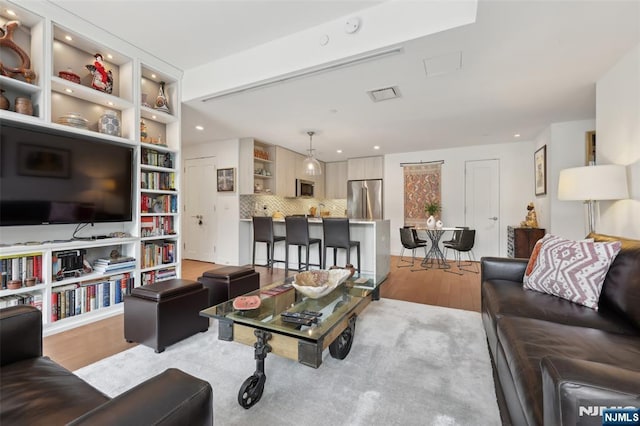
point(4, 102)
point(109, 123)
point(161, 101)
point(439, 224)
point(24, 106)
point(431, 222)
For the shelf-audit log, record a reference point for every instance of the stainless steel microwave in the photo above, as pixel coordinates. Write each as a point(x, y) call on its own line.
point(304, 188)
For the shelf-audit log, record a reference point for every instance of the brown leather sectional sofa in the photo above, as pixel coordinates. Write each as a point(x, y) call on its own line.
point(554, 360)
point(35, 390)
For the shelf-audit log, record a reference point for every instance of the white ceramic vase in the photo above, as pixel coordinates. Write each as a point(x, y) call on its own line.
point(439, 224)
point(431, 223)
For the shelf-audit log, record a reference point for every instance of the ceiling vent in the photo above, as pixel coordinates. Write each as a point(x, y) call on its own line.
point(384, 94)
point(443, 64)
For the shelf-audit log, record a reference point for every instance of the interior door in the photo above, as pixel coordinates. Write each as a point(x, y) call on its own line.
point(482, 205)
point(199, 219)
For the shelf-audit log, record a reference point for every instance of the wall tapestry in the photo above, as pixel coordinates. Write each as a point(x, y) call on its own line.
point(421, 185)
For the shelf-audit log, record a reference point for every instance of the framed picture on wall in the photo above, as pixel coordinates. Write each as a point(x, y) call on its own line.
point(226, 180)
point(540, 170)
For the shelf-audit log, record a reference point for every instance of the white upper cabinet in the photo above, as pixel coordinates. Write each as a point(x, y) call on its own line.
point(366, 168)
point(336, 180)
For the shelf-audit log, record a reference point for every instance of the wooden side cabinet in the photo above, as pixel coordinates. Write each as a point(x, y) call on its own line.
point(522, 240)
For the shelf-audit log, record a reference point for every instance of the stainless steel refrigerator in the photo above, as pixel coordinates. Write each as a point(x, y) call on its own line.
point(364, 199)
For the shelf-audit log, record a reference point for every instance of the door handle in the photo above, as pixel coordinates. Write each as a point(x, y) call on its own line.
point(493, 218)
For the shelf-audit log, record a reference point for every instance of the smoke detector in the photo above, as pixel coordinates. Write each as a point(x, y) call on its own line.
point(384, 94)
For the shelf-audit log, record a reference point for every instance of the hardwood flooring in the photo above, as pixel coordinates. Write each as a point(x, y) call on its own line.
point(92, 342)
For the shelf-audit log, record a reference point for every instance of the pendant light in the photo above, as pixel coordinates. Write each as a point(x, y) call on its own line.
point(310, 164)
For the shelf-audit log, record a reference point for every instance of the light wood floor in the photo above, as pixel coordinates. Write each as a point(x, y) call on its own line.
point(92, 342)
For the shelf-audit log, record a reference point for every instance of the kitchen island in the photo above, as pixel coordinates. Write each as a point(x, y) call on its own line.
point(374, 237)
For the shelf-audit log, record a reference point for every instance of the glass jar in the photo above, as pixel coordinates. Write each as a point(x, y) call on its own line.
point(109, 123)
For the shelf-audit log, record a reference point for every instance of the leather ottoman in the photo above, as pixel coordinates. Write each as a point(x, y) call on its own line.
point(163, 313)
point(228, 282)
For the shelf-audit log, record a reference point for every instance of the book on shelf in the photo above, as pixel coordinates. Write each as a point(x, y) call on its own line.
point(105, 265)
point(21, 267)
point(77, 299)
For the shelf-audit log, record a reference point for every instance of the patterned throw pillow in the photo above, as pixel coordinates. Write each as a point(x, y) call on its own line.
point(572, 270)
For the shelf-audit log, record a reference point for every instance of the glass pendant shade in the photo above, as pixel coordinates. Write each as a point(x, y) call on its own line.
point(310, 164)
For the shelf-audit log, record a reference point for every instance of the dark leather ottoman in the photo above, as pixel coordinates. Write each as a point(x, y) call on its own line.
point(228, 282)
point(163, 313)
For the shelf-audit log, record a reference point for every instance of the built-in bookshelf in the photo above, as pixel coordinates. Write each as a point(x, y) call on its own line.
point(61, 46)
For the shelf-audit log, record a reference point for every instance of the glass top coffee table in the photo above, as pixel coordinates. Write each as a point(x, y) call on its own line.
point(329, 321)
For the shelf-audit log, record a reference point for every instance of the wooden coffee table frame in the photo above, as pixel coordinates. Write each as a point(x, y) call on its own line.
point(338, 338)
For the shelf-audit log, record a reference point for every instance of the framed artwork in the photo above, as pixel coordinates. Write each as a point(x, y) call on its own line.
point(590, 143)
point(227, 180)
point(43, 161)
point(540, 166)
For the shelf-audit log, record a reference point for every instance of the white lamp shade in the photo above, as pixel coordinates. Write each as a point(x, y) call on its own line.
point(606, 182)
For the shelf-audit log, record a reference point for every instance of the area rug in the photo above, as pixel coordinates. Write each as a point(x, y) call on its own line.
point(410, 364)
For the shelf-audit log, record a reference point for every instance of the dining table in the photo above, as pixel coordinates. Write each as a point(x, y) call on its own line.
point(434, 258)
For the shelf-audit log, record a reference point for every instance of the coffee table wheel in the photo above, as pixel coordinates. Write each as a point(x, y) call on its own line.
point(339, 348)
point(251, 391)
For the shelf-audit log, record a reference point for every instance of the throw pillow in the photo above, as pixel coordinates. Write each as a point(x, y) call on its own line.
point(572, 270)
point(534, 255)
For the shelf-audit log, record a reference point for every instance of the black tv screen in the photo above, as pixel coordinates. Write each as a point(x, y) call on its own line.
point(49, 176)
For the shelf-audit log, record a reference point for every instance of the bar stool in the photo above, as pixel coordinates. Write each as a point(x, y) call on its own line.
point(298, 235)
point(263, 233)
point(337, 235)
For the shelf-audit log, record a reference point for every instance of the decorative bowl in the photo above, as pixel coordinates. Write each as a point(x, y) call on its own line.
point(318, 283)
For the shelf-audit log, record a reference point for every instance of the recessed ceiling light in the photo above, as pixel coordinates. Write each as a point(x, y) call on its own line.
point(199, 128)
point(517, 135)
point(11, 12)
point(110, 103)
point(68, 90)
point(153, 76)
point(339, 151)
point(109, 55)
point(153, 117)
point(376, 147)
point(68, 38)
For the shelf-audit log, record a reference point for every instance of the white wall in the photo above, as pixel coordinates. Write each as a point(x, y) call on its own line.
point(516, 185)
point(618, 141)
point(226, 241)
point(565, 148)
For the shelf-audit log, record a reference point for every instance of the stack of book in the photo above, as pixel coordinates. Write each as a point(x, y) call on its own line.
point(114, 264)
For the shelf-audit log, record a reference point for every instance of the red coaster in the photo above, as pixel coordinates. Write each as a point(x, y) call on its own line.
point(245, 303)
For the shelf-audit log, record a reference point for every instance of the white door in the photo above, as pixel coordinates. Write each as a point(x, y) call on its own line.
point(482, 205)
point(199, 219)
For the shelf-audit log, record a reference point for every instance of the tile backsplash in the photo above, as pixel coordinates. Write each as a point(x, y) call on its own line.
point(254, 205)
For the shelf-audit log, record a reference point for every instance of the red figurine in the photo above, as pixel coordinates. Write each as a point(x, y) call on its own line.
point(102, 79)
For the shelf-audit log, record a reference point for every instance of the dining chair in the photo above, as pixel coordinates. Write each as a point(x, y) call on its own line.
point(409, 243)
point(465, 245)
point(455, 239)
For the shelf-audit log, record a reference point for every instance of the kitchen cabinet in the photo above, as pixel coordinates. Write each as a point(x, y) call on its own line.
point(285, 172)
point(365, 168)
point(336, 180)
point(256, 168)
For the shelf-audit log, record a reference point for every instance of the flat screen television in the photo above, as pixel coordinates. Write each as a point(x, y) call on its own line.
point(49, 176)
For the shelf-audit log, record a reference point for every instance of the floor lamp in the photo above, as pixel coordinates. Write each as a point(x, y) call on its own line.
point(592, 184)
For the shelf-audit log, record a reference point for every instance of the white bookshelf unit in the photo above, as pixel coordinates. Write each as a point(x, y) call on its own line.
point(57, 43)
